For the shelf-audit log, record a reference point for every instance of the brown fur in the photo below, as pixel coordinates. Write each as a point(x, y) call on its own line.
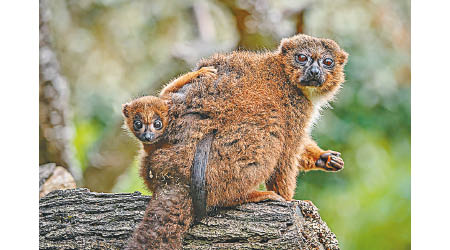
point(150, 108)
point(260, 114)
point(167, 217)
point(178, 83)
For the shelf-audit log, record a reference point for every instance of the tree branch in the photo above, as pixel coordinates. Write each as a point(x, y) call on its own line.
point(79, 219)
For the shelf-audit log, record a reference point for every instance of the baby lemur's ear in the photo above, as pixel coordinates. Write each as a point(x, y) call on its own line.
point(125, 110)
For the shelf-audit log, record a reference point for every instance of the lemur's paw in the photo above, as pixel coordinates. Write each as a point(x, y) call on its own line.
point(207, 71)
point(258, 196)
point(330, 161)
point(274, 196)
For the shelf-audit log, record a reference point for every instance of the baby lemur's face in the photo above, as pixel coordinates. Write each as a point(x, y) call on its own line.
point(146, 118)
point(314, 65)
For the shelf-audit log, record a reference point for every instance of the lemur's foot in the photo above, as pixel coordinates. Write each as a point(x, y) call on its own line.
point(207, 71)
point(258, 196)
point(330, 161)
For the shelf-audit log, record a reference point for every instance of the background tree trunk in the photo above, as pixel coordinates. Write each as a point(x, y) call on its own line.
point(79, 219)
point(55, 131)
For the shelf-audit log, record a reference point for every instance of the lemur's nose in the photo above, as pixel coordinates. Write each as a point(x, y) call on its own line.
point(315, 71)
point(148, 136)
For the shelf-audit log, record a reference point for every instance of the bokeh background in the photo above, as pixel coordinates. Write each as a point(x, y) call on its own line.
point(96, 55)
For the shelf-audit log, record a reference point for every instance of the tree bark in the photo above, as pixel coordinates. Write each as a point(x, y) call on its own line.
point(79, 219)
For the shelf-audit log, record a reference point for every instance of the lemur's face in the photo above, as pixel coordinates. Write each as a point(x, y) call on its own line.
point(313, 63)
point(147, 127)
point(146, 118)
point(314, 67)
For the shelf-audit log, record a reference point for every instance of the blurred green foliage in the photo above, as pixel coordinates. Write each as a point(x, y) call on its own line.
point(112, 51)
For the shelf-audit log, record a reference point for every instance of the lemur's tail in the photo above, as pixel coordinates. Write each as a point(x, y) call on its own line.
point(167, 217)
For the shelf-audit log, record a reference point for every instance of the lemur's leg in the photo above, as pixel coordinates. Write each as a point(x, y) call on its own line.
point(178, 83)
point(284, 179)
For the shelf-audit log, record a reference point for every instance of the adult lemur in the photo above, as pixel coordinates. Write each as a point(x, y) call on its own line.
point(254, 120)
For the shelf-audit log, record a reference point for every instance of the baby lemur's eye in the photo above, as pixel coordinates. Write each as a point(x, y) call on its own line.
point(137, 125)
point(301, 58)
point(157, 124)
point(328, 62)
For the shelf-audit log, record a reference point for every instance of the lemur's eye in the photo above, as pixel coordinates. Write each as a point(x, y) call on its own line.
point(328, 62)
point(301, 58)
point(157, 124)
point(137, 125)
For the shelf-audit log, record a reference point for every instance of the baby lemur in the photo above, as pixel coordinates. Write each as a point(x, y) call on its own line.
point(147, 117)
point(258, 112)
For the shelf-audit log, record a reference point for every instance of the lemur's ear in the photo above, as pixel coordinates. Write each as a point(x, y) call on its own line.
point(125, 110)
point(285, 46)
point(342, 57)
